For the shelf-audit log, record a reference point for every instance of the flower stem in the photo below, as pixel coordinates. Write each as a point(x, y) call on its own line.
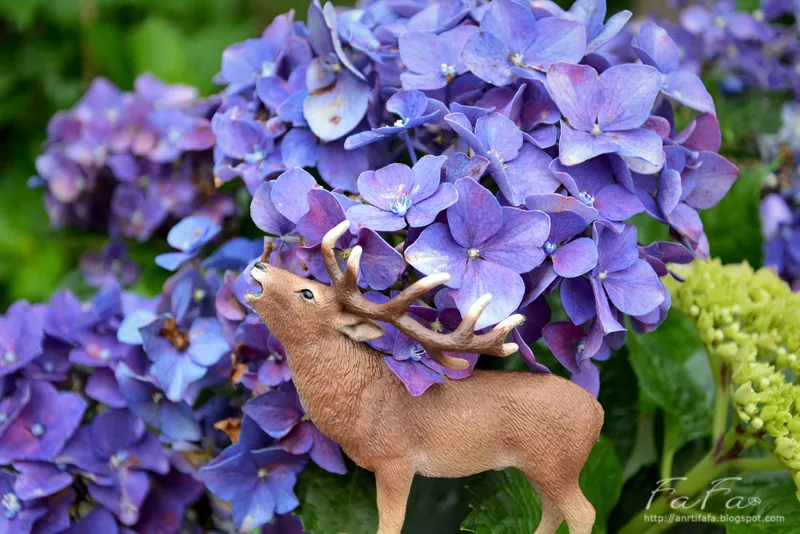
point(764, 463)
point(410, 146)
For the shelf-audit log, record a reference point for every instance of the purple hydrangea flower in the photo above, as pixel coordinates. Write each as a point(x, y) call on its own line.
point(43, 425)
point(519, 169)
point(513, 44)
point(276, 209)
point(656, 48)
point(258, 479)
point(21, 336)
point(182, 357)
point(118, 453)
point(280, 414)
point(413, 109)
point(605, 113)
point(397, 193)
point(111, 262)
point(433, 61)
point(484, 247)
point(16, 515)
point(381, 264)
point(188, 236)
point(590, 13)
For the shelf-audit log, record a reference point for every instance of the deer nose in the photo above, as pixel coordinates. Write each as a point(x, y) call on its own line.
point(260, 266)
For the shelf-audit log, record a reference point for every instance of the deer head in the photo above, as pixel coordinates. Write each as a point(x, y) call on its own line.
point(293, 306)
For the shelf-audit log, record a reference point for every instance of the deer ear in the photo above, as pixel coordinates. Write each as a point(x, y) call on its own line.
point(361, 330)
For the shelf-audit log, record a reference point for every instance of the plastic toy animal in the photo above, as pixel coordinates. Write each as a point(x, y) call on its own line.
point(541, 424)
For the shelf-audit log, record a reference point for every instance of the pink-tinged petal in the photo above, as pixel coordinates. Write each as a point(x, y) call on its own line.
point(703, 133)
point(659, 125)
point(481, 277)
point(635, 290)
point(529, 174)
point(364, 216)
point(713, 177)
point(382, 187)
point(616, 203)
point(555, 40)
point(424, 212)
point(641, 144)
point(289, 194)
point(486, 56)
point(629, 92)
point(611, 29)
point(424, 53)
point(527, 354)
point(517, 245)
point(476, 216)
point(562, 339)
point(687, 88)
point(578, 93)
point(333, 112)
point(415, 377)
point(435, 251)
point(687, 222)
point(660, 51)
point(381, 264)
point(669, 190)
point(576, 146)
point(578, 299)
point(500, 135)
point(325, 212)
point(575, 258)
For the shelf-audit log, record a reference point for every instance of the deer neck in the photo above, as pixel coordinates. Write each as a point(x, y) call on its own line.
point(331, 379)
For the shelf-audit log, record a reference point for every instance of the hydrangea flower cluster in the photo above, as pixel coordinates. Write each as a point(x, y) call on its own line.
point(756, 333)
point(780, 203)
point(742, 48)
point(127, 163)
point(500, 143)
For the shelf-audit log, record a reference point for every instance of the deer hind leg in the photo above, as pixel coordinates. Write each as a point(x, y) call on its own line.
point(561, 501)
point(551, 516)
point(393, 484)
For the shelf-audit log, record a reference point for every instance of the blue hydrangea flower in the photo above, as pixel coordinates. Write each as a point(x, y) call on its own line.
point(21, 336)
point(188, 236)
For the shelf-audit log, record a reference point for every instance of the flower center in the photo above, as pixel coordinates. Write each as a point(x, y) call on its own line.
point(399, 123)
point(174, 135)
point(267, 68)
point(37, 430)
point(437, 326)
point(549, 247)
point(581, 346)
point(9, 357)
point(12, 505)
point(374, 44)
point(199, 295)
point(48, 367)
point(256, 156)
point(596, 129)
point(119, 458)
point(170, 332)
point(474, 253)
point(517, 60)
point(586, 198)
point(3, 417)
point(275, 357)
point(401, 204)
point(448, 71)
point(602, 276)
point(157, 397)
point(417, 352)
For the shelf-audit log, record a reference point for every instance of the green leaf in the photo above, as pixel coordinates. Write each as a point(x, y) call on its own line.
point(335, 504)
point(733, 226)
point(673, 370)
point(618, 396)
point(505, 503)
point(775, 497)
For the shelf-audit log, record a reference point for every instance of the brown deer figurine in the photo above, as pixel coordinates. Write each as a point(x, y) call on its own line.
point(541, 424)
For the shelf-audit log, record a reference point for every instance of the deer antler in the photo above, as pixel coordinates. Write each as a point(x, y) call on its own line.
point(463, 339)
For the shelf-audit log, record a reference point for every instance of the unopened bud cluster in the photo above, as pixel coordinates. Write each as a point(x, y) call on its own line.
point(750, 320)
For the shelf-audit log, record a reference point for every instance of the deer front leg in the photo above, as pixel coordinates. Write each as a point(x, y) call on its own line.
point(393, 483)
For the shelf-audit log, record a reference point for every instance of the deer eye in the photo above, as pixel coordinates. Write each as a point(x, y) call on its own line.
point(307, 294)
